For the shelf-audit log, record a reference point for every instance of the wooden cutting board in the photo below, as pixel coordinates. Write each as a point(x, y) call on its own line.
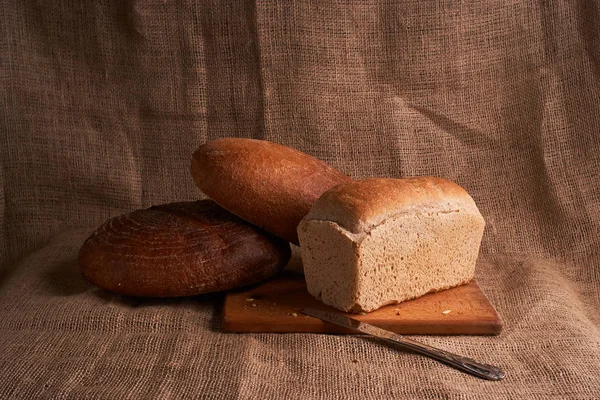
point(275, 305)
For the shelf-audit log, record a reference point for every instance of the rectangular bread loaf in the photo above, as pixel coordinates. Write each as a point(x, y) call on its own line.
point(369, 243)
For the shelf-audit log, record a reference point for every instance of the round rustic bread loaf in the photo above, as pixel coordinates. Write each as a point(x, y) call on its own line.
point(180, 249)
point(265, 183)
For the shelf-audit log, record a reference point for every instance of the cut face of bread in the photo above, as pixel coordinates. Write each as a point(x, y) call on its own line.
point(370, 243)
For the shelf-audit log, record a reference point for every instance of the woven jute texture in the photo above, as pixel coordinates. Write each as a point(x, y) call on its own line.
point(102, 104)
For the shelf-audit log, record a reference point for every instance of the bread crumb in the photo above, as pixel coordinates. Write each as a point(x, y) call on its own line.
point(446, 312)
point(249, 299)
point(294, 314)
point(253, 304)
point(396, 309)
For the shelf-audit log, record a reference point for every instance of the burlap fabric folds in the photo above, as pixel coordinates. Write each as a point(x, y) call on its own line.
point(103, 102)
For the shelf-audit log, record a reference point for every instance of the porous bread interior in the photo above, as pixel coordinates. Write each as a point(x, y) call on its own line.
point(404, 257)
point(329, 256)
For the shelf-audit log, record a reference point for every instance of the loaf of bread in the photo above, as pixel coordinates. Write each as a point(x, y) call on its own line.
point(265, 183)
point(180, 249)
point(374, 242)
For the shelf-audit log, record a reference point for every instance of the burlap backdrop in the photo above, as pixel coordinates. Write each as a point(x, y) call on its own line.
point(103, 103)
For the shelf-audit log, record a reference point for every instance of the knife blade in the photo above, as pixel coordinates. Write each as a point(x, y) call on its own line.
point(465, 364)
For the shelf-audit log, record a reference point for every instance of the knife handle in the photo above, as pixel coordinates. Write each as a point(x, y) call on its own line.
point(465, 364)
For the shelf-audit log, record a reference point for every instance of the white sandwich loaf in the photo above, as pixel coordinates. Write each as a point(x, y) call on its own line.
point(370, 243)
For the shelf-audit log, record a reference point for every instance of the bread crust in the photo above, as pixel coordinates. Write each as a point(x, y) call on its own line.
point(265, 183)
point(359, 206)
point(180, 249)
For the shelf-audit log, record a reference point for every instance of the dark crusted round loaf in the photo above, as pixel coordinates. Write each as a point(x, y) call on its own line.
point(265, 183)
point(180, 249)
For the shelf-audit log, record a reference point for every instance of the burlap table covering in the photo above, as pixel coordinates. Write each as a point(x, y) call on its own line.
point(103, 103)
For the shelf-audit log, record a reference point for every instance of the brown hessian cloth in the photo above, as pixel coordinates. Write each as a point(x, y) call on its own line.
point(103, 103)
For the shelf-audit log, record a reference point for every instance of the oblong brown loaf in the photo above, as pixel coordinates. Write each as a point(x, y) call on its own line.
point(265, 183)
point(180, 249)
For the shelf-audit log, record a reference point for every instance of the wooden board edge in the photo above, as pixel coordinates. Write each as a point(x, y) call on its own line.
point(327, 328)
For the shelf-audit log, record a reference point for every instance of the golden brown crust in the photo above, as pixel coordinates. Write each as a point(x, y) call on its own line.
point(358, 206)
point(179, 249)
point(265, 183)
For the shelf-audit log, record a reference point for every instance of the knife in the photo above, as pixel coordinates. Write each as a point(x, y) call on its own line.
point(464, 364)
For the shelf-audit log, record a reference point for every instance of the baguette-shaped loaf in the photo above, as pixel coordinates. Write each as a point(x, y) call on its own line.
point(265, 183)
point(180, 249)
point(369, 243)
